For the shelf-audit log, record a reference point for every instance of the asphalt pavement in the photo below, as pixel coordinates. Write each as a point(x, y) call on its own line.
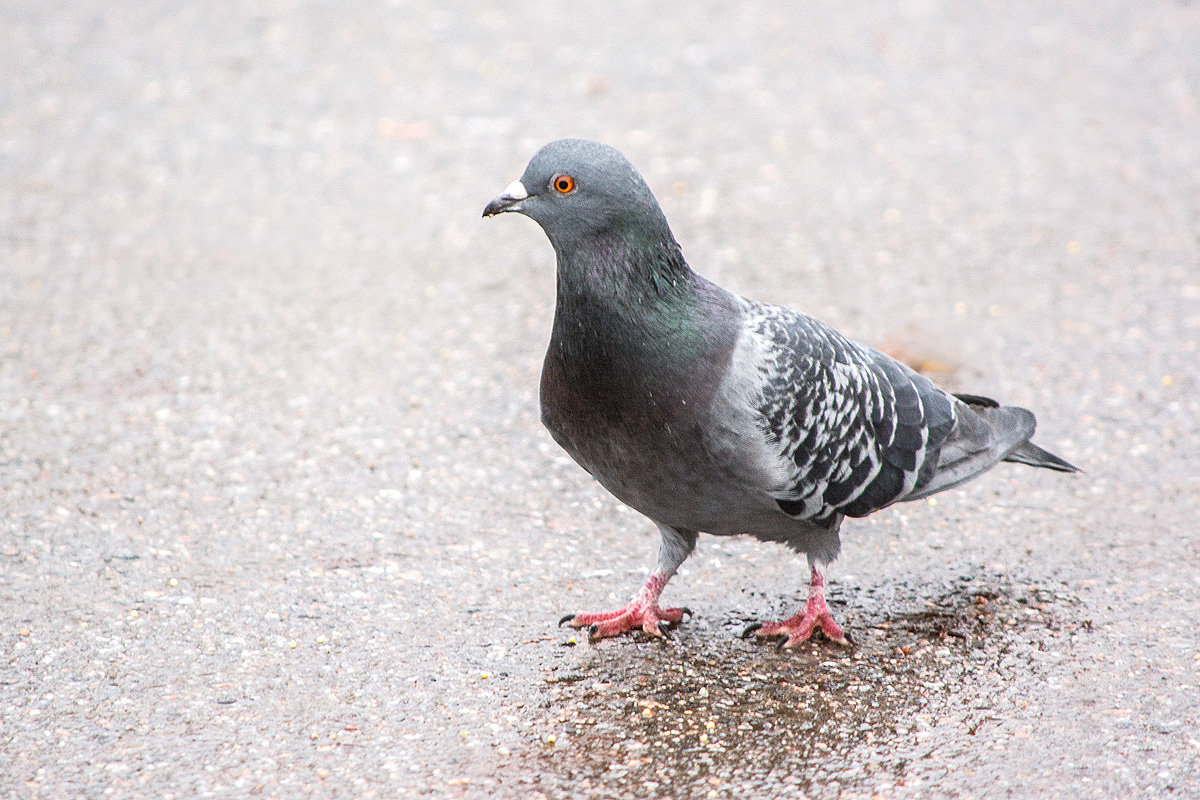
point(277, 514)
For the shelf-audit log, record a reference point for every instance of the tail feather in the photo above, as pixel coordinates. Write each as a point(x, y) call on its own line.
point(1034, 456)
point(985, 434)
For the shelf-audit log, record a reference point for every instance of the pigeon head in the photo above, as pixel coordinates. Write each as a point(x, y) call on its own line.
point(579, 191)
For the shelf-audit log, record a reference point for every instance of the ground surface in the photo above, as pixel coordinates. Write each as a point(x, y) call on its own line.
point(278, 517)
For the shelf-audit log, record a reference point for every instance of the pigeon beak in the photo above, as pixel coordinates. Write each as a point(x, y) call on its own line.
point(509, 200)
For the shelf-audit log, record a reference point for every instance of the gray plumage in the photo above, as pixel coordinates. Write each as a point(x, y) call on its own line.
point(709, 412)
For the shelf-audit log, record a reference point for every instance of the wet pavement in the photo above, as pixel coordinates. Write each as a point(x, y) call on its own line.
point(710, 716)
point(278, 515)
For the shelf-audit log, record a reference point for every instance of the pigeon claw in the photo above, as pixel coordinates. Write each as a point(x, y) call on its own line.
point(751, 629)
point(653, 621)
point(801, 627)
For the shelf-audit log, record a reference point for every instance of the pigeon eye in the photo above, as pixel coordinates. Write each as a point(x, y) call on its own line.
point(563, 184)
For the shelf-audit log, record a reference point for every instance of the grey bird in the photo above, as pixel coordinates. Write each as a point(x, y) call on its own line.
point(708, 412)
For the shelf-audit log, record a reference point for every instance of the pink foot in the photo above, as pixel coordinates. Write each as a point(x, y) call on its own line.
point(654, 621)
point(641, 612)
point(800, 627)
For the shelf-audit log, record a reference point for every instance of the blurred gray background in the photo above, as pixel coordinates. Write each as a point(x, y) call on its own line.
point(278, 516)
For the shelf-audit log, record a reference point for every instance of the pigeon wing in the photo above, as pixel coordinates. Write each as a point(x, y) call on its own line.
point(826, 425)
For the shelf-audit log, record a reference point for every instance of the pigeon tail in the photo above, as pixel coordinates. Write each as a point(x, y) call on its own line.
point(1010, 425)
point(982, 437)
point(1034, 456)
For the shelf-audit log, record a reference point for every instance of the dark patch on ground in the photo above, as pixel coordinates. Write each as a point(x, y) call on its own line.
point(707, 712)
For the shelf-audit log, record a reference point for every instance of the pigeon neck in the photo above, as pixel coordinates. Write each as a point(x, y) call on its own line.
point(636, 271)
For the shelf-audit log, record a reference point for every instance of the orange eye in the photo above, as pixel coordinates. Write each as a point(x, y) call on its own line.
point(563, 184)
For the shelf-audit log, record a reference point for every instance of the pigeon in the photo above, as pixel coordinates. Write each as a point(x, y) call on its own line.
point(712, 413)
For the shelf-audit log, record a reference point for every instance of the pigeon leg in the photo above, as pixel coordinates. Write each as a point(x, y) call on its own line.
point(643, 611)
point(815, 615)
